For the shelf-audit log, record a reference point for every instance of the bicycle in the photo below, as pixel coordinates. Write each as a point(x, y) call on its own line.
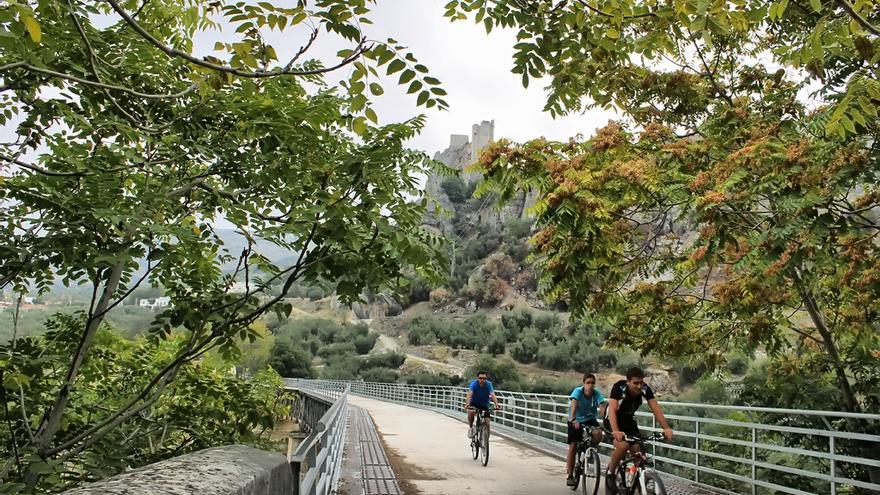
point(480, 440)
point(587, 464)
point(633, 473)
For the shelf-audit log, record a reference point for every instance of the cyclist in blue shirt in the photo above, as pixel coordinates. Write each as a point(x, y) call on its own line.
point(480, 392)
point(587, 406)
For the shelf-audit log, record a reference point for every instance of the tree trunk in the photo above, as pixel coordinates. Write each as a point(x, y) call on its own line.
point(49, 427)
point(818, 319)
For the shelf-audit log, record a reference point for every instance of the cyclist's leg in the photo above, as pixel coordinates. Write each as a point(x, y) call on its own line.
point(574, 438)
point(597, 432)
point(620, 448)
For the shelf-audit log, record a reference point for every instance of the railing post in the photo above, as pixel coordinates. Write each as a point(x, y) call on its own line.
point(754, 459)
point(833, 465)
point(295, 471)
point(697, 448)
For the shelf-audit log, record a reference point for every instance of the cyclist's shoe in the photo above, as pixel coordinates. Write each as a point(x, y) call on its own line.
point(570, 481)
point(610, 484)
point(471, 432)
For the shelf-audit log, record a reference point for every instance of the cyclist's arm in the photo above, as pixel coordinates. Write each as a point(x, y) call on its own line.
point(495, 400)
point(602, 408)
point(658, 413)
point(467, 401)
point(571, 410)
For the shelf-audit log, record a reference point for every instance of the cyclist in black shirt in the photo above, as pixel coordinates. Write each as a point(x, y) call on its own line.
point(623, 402)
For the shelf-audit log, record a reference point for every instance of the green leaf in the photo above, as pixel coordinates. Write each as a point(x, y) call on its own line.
point(395, 66)
point(359, 126)
point(376, 89)
point(415, 86)
point(407, 76)
point(371, 114)
point(817, 5)
point(423, 97)
point(612, 33)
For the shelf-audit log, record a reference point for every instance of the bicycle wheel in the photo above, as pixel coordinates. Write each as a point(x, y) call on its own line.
point(484, 443)
point(475, 442)
point(592, 473)
point(653, 483)
point(622, 487)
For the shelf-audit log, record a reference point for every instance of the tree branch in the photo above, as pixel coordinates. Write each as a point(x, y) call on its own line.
point(858, 17)
point(172, 52)
point(97, 84)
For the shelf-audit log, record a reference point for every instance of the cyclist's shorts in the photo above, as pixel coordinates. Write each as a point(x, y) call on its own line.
point(575, 436)
point(627, 425)
point(482, 407)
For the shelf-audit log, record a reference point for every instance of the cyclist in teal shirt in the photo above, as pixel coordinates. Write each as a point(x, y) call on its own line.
point(587, 405)
point(479, 393)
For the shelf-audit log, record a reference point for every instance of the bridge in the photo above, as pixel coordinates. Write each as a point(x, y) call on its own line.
point(380, 438)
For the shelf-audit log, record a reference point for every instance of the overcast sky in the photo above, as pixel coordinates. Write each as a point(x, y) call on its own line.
point(474, 69)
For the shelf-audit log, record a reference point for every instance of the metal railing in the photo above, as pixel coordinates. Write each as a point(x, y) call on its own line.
point(739, 449)
point(317, 460)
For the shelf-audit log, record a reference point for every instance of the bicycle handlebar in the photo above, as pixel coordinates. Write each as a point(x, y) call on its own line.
point(654, 437)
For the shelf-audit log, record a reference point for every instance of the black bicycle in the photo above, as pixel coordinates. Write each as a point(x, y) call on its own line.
point(480, 440)
point(587, 465)
point(634, 474)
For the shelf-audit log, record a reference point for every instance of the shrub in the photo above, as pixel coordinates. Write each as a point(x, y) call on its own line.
point(455, 189)
point(738, 364)
point(544, 322)
point(590, 358)
point(388, 359)
point(291, 361)
point(337, 349)
point(545, 385)
point(382, 375)
point(514, 322)
point(432, 379)
point(556, 357)
point(440, 297)
point(315, 293)
point(526, 349)
point(365, 343)
point(421, 331)
point(500, 266)
point(341, 368)
point(496, 342)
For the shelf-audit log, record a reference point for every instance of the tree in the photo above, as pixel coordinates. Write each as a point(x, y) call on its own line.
point(455, 189)
point(129, 149)
point(291, 361)
point(783, 193)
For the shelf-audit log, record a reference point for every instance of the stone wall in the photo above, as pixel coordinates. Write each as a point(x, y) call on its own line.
point(229, 470)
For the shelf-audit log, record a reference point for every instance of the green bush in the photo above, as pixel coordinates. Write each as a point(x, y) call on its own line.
point(590, 358)
point(291, 361)
point(337, 349)
point(738, 364)
point(388, 359)
point(544, 322)
point(545, 385)
point(556, 357)
point(496, 342)
point(432, 379)
point(422, 330)
point(526, 349)
point(514, 322)
point(365, 343)
point(455, 189)
point(382, 375)
point(341, 367)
